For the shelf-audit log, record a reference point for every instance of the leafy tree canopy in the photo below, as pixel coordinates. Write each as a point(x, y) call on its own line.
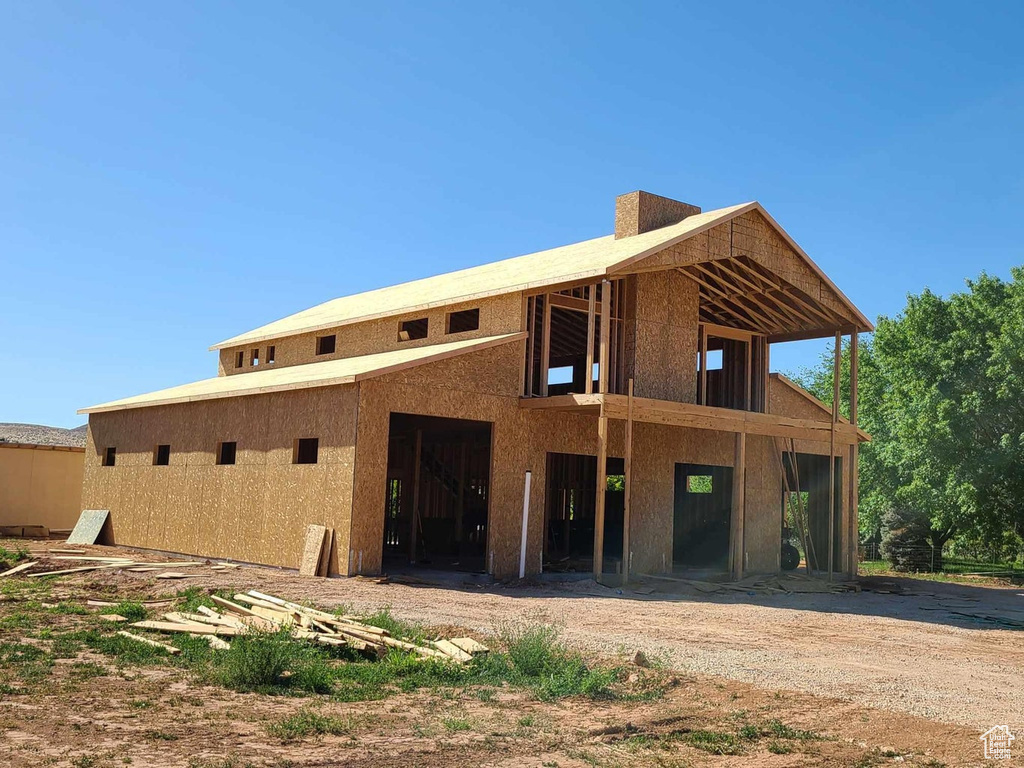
point(940, 391)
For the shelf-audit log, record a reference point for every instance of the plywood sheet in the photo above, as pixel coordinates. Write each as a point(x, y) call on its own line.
point(317, 540)
point(89, 526)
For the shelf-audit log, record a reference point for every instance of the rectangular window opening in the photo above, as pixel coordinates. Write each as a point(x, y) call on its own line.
point(698, 484)
point(561, 375)
point(226, 452)
point(240, 358)
point(270, 354)
point(463, 320)
point(306, 450)
point(109, 456)
point(409, 330)
point(254, 358)
point(325, 345)
point(162, 455)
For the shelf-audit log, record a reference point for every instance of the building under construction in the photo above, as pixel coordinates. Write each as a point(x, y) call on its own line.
point(604, 406)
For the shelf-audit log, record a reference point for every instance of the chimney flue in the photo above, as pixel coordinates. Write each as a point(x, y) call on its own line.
point(638, 212)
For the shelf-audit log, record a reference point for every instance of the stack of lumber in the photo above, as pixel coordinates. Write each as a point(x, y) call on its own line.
point(316, 552)
point(61, 562)
point(262, 612)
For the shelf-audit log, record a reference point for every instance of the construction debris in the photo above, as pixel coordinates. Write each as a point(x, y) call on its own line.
point(89, 526)
point(83, 563)
point(145, 640)
point(316, 553)
point(259, 611)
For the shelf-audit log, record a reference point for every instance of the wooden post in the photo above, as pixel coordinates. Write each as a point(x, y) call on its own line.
point(602, 487)
point(606, 329)
point(747, 391)
point(854, 470)
point(591, 309)
point(545, 346)
point(602, 435)
point(629, 480)
point(739, 483)
point(837, 357)
point(415, 494)
point(460, 509)
point(703, 333)
point(531, 343)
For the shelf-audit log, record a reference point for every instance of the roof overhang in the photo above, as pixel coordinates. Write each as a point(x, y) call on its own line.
point(329, 373)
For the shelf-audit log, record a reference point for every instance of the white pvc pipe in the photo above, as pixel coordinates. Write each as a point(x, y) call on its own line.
point(526, 521)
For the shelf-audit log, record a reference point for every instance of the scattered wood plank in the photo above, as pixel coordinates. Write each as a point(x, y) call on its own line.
point(194, 628)
point(172, 575)
point(215, 642)
point(450, 649)
point(146, 641)
point(113, 617)
point(75, 570)
point(469, 645)
point(19, 568)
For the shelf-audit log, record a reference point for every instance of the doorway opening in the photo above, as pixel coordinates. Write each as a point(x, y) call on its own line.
point(811, 481)
point(570, 513)
point(438, 491)
point(702, 514)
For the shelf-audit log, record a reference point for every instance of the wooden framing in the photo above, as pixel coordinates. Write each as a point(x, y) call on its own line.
point(545, 346)
point(591, 312)
point(628, 479)
point(415, 516)
point(602, 437)
point(854, 466)
point(739, 506)
point(836, 368)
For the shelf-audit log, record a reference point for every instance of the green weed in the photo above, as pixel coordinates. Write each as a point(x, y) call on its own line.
point(309, 723)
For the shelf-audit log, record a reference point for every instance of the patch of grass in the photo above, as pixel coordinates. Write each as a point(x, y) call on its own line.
point(66, 608)
point(403, 630)
point(782, 731)
point(85, 670)
point(713, 742)
point(259, 661)
point(455, 724)
point(160, 736)
point(131, 610)
point(8, 557)
point(305, 723)
point(191, 598)
point(779, 748)
point(14, 654)
point(526, 721)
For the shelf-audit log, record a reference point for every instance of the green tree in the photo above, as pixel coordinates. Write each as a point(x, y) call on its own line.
point(940, 392)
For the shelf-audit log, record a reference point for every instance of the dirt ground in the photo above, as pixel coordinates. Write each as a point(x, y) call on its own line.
point(873, 678)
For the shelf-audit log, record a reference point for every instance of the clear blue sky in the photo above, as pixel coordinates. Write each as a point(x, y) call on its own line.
point(172, 174)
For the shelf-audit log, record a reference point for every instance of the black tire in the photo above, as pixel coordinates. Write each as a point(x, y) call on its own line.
point(790, 557)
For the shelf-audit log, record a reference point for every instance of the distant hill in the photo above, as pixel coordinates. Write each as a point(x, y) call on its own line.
point(37, 434)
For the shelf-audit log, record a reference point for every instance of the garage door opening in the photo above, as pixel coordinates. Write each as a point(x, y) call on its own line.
point(438, 491)
point(701, 517)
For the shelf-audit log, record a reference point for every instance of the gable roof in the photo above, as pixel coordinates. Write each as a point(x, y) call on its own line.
point(324, 374)
point(579, 261)
point(825, 409)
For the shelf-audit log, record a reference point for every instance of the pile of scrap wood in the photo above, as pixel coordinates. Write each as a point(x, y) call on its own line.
point(262, 612)
point(77, 561)
point(774, 584)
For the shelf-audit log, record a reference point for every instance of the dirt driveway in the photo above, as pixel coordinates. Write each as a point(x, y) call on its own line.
point(913, 653)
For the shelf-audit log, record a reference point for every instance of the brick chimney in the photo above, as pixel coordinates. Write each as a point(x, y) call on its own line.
point(638, 212)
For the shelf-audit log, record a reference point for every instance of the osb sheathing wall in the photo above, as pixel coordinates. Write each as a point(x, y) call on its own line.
point(256, 510)
point(483, 386)
point(499, 314)
point(665, 351)
point(40, 485)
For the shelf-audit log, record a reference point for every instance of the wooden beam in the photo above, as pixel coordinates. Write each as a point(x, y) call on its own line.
point(703, 365)
point(836, 363)
point(531, 308)
point(725, 332)
point(606, 328)
point(545, 347)
point(569, 302)
point(591, 311)
point(599, 499)
point(739, 482)
point(415, 517)
point(853, 472)
point(628, 480)
point(748, 378)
